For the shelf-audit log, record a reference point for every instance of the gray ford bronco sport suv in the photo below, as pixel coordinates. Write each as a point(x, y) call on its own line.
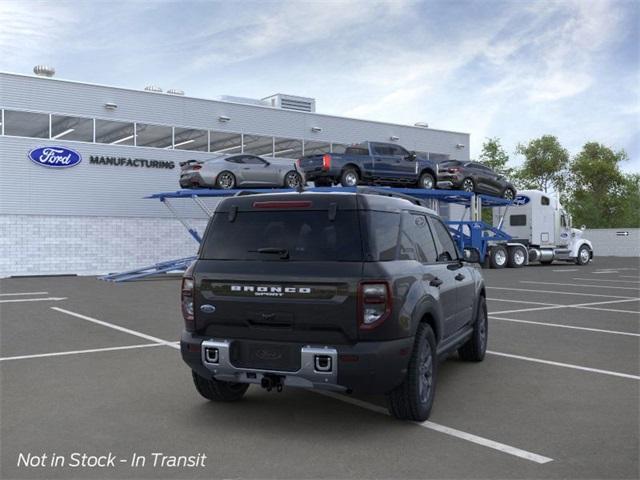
point(351, 292)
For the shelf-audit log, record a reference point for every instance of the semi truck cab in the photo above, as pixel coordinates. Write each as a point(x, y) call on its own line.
point(538, 221)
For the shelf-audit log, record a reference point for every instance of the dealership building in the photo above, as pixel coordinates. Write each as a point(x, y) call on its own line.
point(92, 217)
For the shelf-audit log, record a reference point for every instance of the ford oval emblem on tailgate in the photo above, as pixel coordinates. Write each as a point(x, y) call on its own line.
point(55, 157)
point(206, 308)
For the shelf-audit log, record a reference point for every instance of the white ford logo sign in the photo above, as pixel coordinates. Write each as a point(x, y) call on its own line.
point(55, 157)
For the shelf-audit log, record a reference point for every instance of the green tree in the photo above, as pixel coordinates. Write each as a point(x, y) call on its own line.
point(494, 156)
point(545, 164)
point(600, 195)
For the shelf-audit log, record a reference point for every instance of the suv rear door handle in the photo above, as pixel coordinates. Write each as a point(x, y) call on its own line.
point(459, 277)
point(435, 282)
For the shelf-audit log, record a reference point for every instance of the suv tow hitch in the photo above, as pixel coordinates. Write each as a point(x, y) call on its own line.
point(270, 382)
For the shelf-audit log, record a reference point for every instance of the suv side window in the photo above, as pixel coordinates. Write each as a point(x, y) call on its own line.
point(416, 235)
point(383, 233)
point(447, 250)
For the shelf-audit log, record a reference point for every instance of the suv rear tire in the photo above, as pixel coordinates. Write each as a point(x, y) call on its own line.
point(413, 399)
point(475, 348)
point(218, 391)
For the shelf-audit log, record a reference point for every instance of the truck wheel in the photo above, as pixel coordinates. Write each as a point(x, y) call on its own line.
point(426, 181)
point(349, 177)
point(498, 256)
point(476, 346)
point(413, 399)
point(218, 391)
point(517, 257)
point(584, 255)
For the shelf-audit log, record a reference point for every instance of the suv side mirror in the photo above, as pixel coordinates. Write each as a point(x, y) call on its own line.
point(412, 156)
point(471, 255)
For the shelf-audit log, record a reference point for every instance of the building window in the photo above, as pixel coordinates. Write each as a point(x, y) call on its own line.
point(26, 124)
point(71, 128)
point(190, 139)
point(258, 145)
point(225, 142)
point(114, 133)
point(287, 148)
point(315, 148)
point(157, 136)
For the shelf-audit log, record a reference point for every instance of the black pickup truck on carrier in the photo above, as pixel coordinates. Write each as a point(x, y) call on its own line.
point(353, 292)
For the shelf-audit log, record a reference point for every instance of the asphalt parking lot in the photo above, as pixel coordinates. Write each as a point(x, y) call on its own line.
point(92, 367)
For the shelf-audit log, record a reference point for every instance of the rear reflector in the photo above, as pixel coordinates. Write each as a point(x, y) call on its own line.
point(283, 204)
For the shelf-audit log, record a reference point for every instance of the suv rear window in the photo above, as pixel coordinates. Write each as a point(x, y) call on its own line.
point(304, 235)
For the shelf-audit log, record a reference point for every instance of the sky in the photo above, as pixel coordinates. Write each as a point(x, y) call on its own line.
point(510, 69)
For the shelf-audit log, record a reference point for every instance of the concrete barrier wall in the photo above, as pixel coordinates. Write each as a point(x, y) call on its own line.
point(614, 242)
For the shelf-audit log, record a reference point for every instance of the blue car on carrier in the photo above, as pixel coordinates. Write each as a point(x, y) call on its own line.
point(370, 163)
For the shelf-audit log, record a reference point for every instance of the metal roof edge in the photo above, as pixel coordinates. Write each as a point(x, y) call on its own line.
point(145, 92)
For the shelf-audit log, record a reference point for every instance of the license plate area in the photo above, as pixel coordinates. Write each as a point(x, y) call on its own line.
point(265, 355)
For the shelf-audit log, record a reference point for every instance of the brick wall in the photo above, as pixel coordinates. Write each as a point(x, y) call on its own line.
point(46, 245)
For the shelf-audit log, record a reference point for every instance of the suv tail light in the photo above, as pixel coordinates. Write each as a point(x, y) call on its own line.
point(196, 167)
point(187, 303)
point(374, 304)
point(326, 162)
point(454, 170)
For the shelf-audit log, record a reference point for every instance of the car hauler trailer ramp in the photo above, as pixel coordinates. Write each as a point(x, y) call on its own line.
point(472, 233)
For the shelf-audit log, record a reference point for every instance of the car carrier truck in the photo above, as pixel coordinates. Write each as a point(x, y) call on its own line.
point(540, 231)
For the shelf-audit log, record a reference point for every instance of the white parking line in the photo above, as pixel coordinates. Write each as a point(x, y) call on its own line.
point(520, 301)
point(567, 270)
point(565, 365)
point(534, 309)
point(604, 280)
point(118, 327)
point(77, 352)
point(582, 285)
point(469, 437)
point(48, 299)
point(628, 276)
point(598, 330)
point(559, 293)
point(23, 293)
point(587, 306)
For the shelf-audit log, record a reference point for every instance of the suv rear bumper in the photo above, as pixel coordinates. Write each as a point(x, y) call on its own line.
point(364, 367)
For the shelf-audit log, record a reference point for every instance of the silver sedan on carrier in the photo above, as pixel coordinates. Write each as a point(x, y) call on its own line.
point(239, 170)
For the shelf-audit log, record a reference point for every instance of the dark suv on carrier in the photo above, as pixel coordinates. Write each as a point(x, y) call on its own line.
point(357, 292)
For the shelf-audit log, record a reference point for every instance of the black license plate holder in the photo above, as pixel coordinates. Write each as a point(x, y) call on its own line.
point(265, 355)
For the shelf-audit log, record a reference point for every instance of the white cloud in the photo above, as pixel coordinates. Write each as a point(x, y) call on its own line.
point(32, 29)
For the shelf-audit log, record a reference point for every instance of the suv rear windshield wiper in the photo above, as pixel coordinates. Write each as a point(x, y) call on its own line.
point(283, 252)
